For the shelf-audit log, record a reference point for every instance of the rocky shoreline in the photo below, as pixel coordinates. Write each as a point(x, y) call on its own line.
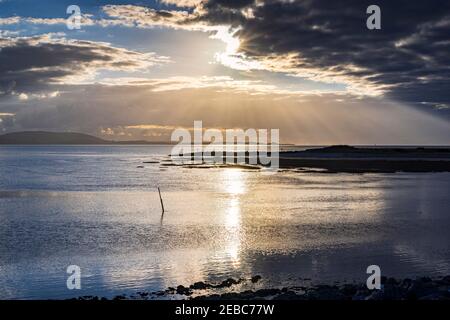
point(423, 288)
point(333, 159)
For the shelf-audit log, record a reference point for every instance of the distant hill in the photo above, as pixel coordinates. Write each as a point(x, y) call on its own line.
point(42, 137)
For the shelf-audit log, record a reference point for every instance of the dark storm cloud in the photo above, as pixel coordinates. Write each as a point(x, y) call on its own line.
point(411, 52)
point(32, 63)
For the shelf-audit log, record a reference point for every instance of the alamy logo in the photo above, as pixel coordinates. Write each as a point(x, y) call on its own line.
point(74, 20)
point(251, 146)
point(374, 20)
point(374, 281)
point(74, 280)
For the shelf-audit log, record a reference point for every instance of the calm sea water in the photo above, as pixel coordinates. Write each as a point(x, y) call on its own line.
point(92, 206)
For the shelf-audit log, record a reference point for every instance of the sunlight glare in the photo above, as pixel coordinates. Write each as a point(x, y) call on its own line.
point(231, 57)
point(234, 181)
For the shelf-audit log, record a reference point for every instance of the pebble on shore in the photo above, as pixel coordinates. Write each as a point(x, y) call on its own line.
point(392, 289)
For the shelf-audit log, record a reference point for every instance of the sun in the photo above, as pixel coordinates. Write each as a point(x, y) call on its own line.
point(231, 57)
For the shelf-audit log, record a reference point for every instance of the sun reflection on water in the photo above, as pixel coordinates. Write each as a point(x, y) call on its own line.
point(233, 214)
point(234, 185)
point(234, 182)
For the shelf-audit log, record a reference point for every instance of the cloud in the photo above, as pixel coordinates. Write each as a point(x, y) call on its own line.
point(323, 40)
point(182, 3)
point(86, 20)
point(318, 40)
point(34, 63)
point(9, 20)
point(220, 83)
point(43, 78)
point(144, 17)
point(6, 120)
point(204, 17)
point(128, 111)
point(326, 41)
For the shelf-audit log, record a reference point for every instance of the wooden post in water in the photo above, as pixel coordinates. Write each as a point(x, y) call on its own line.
point(160, 199)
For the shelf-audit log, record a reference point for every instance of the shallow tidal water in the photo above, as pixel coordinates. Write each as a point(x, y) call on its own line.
point(93, 206)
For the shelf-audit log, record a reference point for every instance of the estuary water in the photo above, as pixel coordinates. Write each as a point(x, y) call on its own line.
point(97, 207)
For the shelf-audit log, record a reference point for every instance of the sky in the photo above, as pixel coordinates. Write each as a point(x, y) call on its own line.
point(310, 68)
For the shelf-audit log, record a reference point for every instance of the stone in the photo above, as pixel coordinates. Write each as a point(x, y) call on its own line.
point(199, 286)
point(183, 290)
